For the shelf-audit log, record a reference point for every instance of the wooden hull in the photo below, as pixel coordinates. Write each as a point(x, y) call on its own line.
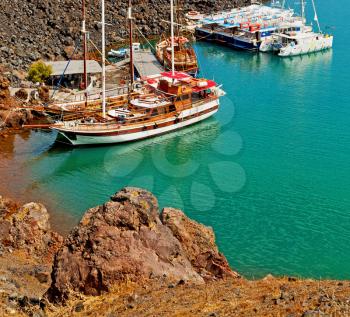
point(151, 129)
point(185, 59)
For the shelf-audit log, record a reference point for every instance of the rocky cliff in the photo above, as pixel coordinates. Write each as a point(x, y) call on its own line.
point(27, 248)
point(35, 29)
point(139, 262)
point(127, 239)
point(11, 116)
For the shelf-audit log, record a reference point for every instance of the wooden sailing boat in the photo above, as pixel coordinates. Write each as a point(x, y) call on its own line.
point(86, 104)
point(185, 59)
point(165, 102)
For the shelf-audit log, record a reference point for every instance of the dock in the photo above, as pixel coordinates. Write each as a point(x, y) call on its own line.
point(146, 64)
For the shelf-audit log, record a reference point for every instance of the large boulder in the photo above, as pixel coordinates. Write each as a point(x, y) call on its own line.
point(27, 248)
point(4, 93)
point(15, 118)
point(125, 239)
point(198, 242)
point(27, 228)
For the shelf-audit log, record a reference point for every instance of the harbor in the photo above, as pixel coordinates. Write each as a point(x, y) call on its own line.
point(235, 117)
point(264, 28)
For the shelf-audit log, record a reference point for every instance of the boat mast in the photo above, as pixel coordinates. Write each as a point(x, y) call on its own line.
point(316, 17)
point(131, 44)
point(103, 60)
point(172, 37)
point(303, 10)
point(83, 31)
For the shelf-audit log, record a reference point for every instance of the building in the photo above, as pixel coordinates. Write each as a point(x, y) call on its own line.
point(69, 74)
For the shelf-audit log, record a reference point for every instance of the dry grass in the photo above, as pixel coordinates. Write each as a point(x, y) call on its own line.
point(232, 297)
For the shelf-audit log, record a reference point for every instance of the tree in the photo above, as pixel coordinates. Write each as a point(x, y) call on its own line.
point(39, 72)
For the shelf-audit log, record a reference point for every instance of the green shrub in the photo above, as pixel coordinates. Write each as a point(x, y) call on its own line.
point(39, 72)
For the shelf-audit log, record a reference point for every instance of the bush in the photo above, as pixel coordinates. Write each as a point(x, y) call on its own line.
point(39, 72)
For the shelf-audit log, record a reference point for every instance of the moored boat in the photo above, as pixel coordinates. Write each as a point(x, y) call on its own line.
point(165, 102)
point(185, 58)
point(303, 43)
point(170, 102)
point(293, 44)
point(248, 29)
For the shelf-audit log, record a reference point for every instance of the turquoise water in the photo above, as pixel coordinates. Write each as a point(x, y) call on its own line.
point(270, 172)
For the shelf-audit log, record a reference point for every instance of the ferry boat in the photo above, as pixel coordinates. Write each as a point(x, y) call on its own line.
point(248, 28)
point(246, 36)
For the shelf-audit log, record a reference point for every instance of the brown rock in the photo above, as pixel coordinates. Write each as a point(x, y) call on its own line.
point(44, 93)
point(123, 239)
point(27, 248)
point(4, 88)
point(198, 242)
point(27, 228)
point(22, 94)
point(15, 118)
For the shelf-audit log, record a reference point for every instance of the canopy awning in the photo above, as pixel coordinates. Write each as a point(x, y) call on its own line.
point(210, 84)
point(176, 75)
point(74, 67)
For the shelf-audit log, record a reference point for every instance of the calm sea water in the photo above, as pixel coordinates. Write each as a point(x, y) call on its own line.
point(270, 172)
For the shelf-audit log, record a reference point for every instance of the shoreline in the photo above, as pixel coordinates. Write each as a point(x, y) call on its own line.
point(14, 183)
point(223, 293)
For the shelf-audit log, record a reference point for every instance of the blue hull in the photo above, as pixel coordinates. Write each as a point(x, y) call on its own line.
point(231, 41)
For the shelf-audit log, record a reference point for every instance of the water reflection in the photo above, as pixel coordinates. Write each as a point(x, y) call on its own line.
point(256, 62)
point(122, 160)
point(299, 64)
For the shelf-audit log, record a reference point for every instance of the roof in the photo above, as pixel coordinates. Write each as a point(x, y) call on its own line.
point(177, 75)
point(74, 67)
point(210, 84)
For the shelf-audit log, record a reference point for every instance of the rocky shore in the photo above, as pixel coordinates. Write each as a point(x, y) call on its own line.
point(126, 258)
point(30, 30)
point(12, 112)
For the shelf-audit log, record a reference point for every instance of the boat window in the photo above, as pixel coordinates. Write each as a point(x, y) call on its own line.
point(154, 112)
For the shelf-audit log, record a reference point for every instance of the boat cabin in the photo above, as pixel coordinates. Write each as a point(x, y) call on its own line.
point(166, 95)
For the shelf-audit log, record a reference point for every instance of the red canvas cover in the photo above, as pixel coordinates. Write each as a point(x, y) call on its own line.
point(210, 85)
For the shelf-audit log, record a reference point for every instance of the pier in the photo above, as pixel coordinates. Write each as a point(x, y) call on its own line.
point(146, 64)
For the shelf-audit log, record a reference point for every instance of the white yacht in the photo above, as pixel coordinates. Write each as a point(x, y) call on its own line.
point(303, 42)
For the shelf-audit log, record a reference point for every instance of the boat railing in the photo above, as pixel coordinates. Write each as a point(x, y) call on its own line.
point(80, 96)
point(95, 126)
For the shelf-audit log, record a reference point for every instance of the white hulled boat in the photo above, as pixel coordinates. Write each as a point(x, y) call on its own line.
point(303, 43)
point(299, 43)
point(170, 102)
